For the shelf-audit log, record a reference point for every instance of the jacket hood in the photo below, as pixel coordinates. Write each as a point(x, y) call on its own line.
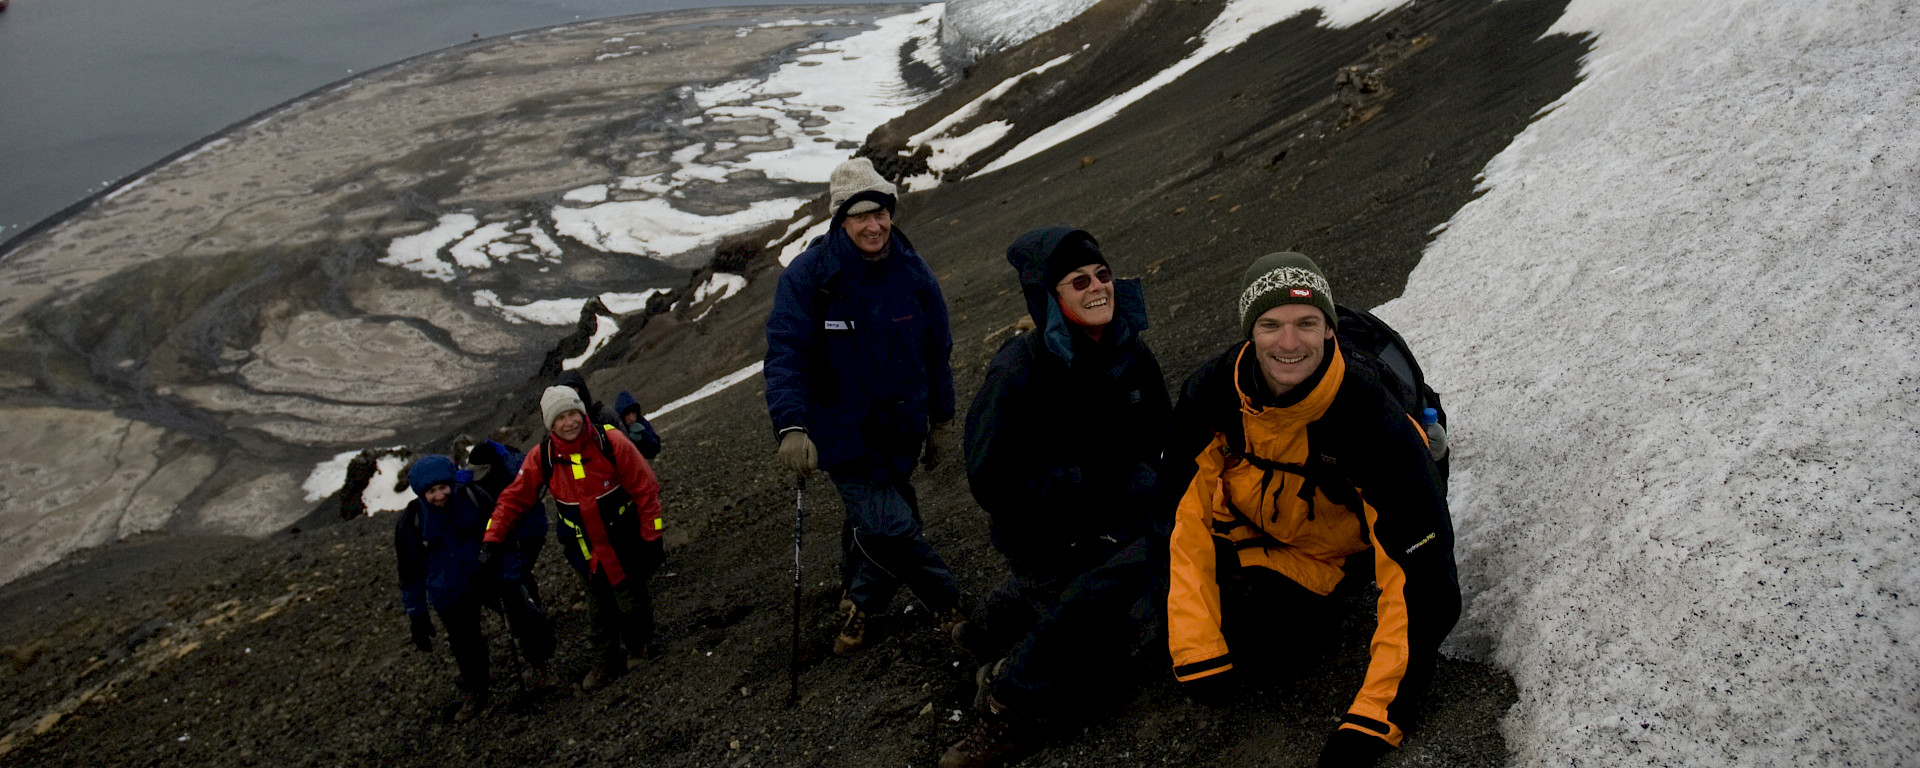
point(624, 402)
point(578, 381)
point(1030, 253)
point(429, 472)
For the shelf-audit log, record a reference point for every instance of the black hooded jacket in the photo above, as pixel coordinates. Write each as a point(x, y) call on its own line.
point(1065, 435)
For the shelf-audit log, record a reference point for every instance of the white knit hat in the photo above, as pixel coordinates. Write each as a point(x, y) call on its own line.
point(557, 400)
point(853, 177)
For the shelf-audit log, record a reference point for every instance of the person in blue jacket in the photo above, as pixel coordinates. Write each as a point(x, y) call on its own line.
point(859, 383)
point(437, 540)
point(633, 419)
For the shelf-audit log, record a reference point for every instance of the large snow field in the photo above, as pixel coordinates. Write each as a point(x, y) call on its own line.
point(1677, 339)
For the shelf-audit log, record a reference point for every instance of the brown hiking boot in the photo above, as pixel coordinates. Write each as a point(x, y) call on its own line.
point(853, 635)
point(473, 704)
point(951, 621)
point(603, 674)
point(983, 683)
point(996, 741)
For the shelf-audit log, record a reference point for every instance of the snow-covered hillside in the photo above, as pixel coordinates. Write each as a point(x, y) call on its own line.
point(1678, 338)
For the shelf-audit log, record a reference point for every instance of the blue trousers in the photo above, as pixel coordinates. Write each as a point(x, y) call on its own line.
point(889, 549)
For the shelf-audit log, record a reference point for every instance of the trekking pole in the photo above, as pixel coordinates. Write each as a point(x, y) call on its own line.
point(799, 528)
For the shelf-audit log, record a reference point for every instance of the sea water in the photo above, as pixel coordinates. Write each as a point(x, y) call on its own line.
point(94, 90)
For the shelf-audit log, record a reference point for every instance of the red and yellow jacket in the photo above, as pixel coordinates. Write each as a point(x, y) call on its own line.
point(1336, 471)
point(609, 501)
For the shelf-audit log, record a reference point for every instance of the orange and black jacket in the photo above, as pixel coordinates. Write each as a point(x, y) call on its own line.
point(1333, 468)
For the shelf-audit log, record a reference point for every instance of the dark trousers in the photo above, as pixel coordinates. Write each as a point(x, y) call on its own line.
point(1030, 591)
point(889, 548)
point(519, 602)
point(1084, 638)
point(527, 619)
point(467, 642)
point(623, 613)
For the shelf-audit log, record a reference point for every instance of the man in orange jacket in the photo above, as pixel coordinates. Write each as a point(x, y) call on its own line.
point(1298, 459)
point(609, 504)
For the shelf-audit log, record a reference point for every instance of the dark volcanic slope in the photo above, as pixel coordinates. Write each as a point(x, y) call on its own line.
point(291, 650)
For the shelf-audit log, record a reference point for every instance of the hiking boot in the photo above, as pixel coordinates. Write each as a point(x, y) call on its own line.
point(540, 679)
point(845, 608)
point(983, 683)
point(951, 620)
point(996, 741)
point(602, 674)
point(853, 635)
point(471, 706)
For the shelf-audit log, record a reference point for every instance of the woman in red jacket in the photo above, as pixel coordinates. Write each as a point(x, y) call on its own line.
point(609, 504)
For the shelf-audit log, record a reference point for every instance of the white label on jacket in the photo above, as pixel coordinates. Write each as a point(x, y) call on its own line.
point(839, 325)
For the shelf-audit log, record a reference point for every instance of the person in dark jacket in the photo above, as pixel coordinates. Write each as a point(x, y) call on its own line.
point(438, 542)
point(633, 419)
point(1063, 450)
point(610, 526)
point(859, 382)
point(597, 412)
point(1291, 458)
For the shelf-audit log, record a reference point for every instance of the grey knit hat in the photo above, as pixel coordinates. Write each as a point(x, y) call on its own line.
point(557, 400)
point(854, 177)
point(1283, 278)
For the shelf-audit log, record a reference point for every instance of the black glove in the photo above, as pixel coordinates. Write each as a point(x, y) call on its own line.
point(1349, 748)
point(491, 555)
point(422, 631)
point(1217, 690)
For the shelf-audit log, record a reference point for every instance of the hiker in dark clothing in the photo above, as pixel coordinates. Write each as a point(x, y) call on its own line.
point(597, 412)
point(633, 419)
point(610, 526)
point(1065, 434)
point(438, 542)
point(1063, 451)
point(859, 383)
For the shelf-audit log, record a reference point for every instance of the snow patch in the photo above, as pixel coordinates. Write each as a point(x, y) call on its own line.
point(604, 328)
point(799, 244)
point(1679, 346)
point(722, 284)
point(655, 228)
point(331, 475)
point(712, 388)
point(421, 252)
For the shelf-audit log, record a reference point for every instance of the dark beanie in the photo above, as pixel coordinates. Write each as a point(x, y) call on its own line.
point(1283, 278)
point(1074, 252)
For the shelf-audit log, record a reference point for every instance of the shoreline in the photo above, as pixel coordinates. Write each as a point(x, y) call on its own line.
point(224, 368)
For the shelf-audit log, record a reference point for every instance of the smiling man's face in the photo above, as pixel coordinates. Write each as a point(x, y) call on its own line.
point(1290, 340)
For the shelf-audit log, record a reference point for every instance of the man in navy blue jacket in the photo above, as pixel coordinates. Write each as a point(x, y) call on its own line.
point(858, 382)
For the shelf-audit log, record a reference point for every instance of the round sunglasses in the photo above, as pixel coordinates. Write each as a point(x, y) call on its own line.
point(1082, 282)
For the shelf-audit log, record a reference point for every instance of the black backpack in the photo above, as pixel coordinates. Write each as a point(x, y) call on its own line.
point(1359, 331)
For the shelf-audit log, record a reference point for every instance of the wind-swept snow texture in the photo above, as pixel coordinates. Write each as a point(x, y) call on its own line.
point(1239, 21)
point(1677, 338)
point(975, 28)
